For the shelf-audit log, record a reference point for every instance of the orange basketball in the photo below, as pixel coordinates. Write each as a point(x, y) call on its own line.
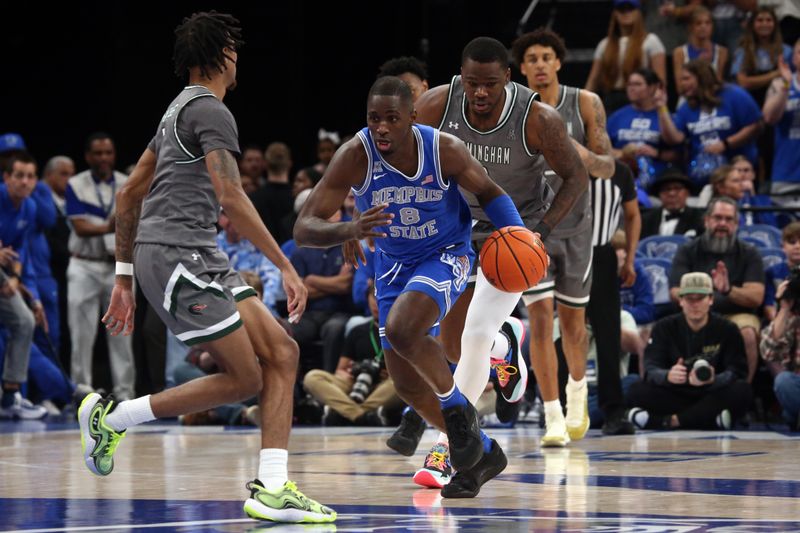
point(513, 259)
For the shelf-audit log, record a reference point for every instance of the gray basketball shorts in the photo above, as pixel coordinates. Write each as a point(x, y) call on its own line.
point(569, 277)
point(193, 290)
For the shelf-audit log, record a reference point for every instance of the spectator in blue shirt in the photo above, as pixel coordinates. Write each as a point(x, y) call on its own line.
point(245, 256)
point(17, 218)
point(329, 281)
point(782, 109)
point(718, 120)
point(638, 298)
point(755, 62)
point(790, 242)
point(46, 285)
point(635, 134)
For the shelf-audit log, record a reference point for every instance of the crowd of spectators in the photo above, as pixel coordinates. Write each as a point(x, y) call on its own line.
point(709, 124)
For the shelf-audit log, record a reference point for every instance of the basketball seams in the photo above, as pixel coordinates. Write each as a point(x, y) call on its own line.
point(516, 259)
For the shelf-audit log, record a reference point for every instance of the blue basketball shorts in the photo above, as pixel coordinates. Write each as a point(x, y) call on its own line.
point(442, 277)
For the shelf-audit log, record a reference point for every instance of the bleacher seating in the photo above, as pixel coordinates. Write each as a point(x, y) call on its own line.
point(661, 246)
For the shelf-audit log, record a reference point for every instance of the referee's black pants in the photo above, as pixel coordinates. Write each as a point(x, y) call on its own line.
point(603, 311)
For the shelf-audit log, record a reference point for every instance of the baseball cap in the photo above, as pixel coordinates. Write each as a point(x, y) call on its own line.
point(633, 3)
point(11, 141)
point(695, 283)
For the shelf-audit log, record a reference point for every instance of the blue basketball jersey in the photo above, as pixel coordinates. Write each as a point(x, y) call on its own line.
point(430, 216)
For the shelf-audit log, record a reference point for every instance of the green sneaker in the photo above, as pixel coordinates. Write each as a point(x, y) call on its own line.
point(285, 505)
point(98, 441)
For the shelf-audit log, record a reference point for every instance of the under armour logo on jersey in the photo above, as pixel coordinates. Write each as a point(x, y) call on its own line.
point(195, 256)
point(452, 125)
point(511, 135)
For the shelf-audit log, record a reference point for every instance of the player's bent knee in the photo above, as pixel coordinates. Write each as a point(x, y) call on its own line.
point(249, 384)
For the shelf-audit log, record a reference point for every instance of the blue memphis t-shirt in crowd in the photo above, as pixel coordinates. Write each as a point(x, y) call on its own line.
point(16, 226)
point(638, 298)
point(773, 276)
point(630, 125)
point(736, 110)
point(763, 61)
point(786, 162)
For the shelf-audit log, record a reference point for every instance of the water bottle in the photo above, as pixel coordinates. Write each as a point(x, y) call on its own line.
point(703, 165)
point(646, 171)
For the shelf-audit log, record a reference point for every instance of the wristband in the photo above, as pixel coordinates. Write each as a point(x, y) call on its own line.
point(502, 212)
point(664, 108)
point(543, 229)
point(124, 269)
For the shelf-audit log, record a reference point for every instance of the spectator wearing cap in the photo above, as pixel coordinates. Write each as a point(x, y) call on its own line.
point(18, 278)
point(90, 276)
point(627, 46)
point(735, 267)
point(695, 367)
point(11, 144)
point(674, 217)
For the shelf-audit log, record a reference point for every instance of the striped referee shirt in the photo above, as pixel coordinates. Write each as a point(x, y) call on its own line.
point(607, 198)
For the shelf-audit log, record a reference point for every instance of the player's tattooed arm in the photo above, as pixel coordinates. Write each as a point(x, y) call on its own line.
point(129, 204)
point(598, 159)
point(546, 133)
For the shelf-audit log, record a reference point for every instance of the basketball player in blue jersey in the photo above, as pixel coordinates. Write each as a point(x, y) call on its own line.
point(515, 137)
point(406, 180)
point(186, 174)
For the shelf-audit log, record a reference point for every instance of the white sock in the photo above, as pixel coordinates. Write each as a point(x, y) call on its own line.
point(500, 346)
point(552, 409)
point(487, 311)
point(576, 385)
point(273, 469)
point(130, 413)
point(443, 439)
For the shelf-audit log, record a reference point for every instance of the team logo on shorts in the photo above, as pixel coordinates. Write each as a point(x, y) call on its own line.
point(197, 309)
point(460, 264)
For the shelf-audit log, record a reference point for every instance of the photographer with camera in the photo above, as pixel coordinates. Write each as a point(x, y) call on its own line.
point(696, 367)
point(360, 385)
point(780, 343)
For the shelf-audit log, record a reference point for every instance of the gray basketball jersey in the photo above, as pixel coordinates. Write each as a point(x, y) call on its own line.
point(504, 152)
point(579, 217)
point(181, 207)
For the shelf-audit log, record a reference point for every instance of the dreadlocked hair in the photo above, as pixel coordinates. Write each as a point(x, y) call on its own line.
point(201, 39)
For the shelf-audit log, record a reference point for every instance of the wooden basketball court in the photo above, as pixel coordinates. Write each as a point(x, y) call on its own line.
point(169, 477)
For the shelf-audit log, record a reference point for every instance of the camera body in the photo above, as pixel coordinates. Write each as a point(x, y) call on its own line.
point(702, 368)
point(792, 292)
point(367, 373)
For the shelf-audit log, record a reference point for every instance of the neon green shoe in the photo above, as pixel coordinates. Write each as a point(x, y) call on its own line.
point(98, 441)
point(285, 505)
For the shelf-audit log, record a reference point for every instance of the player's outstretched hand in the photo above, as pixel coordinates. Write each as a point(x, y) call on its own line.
point(296, 294)
point(119, 317)
point(367, 224)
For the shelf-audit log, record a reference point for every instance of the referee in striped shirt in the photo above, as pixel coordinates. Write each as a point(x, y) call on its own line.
point(610, 198)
